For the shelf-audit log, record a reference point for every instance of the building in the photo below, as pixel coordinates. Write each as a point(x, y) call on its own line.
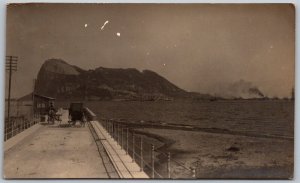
point(38, 103)
point(41, 104)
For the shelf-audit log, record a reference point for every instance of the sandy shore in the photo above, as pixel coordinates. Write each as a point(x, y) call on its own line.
point(227, 156)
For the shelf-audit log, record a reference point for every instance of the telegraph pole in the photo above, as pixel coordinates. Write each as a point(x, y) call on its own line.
point(11, 65)
point(33, 99)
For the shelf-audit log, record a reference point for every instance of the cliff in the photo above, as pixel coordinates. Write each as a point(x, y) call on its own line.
point(61, 80)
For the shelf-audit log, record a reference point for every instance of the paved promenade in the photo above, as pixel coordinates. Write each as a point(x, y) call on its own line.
point(54, 152)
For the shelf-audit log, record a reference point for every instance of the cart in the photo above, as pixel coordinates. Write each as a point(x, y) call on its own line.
point(76, 113)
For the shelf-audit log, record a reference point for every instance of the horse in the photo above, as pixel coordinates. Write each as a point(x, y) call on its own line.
point(51, 116)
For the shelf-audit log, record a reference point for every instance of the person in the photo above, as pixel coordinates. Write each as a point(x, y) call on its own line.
point(83, 120)
point(51, 113)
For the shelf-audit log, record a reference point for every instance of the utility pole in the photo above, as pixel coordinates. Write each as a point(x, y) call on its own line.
point(11, 65)
point(33, 99)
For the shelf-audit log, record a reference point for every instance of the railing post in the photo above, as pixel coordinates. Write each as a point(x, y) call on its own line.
point(103, 123)
point(119, 138)
point(110, 127)
point(169, 165)
point(133, 144)
point(193, 172)
point(152, 161)
point(142, 163)
point(107, 125)
point(122, 139)
point(117, 134)
point(12, 129)
point(113, 130)
point(127, 138)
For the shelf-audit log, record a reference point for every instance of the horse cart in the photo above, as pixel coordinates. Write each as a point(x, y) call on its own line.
point(76, 113)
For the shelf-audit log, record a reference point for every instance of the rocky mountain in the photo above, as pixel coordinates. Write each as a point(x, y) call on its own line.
point(61, 80)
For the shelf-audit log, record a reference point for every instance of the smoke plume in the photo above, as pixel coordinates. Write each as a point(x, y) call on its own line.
point(240, 89)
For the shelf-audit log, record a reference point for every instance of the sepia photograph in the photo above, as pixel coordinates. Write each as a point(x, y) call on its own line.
point(149, 91)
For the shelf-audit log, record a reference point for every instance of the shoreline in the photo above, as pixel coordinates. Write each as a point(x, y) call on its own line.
point(183, 127)
point(218, 158)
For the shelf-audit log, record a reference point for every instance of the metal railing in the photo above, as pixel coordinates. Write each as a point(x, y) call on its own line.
point(154, 162)
point(17, 124)
point(90, 116)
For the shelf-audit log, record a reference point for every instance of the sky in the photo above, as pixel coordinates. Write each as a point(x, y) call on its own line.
point(198, 47)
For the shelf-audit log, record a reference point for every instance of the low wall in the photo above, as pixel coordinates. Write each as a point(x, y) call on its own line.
point(89, 114)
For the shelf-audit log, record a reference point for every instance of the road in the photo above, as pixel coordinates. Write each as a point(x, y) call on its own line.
point(55, 152)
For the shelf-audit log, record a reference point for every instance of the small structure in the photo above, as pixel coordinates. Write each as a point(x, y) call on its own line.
point(26, 100)
point(41, 104)
point(33, 105)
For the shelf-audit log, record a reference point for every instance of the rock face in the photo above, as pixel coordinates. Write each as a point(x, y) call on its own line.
point(60, 80)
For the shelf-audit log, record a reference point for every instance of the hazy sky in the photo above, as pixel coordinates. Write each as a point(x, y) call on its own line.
point(197, 47)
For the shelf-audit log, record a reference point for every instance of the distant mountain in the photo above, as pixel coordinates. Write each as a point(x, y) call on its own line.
point(61, 80)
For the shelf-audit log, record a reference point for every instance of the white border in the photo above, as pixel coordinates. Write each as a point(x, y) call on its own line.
point(2, 78)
